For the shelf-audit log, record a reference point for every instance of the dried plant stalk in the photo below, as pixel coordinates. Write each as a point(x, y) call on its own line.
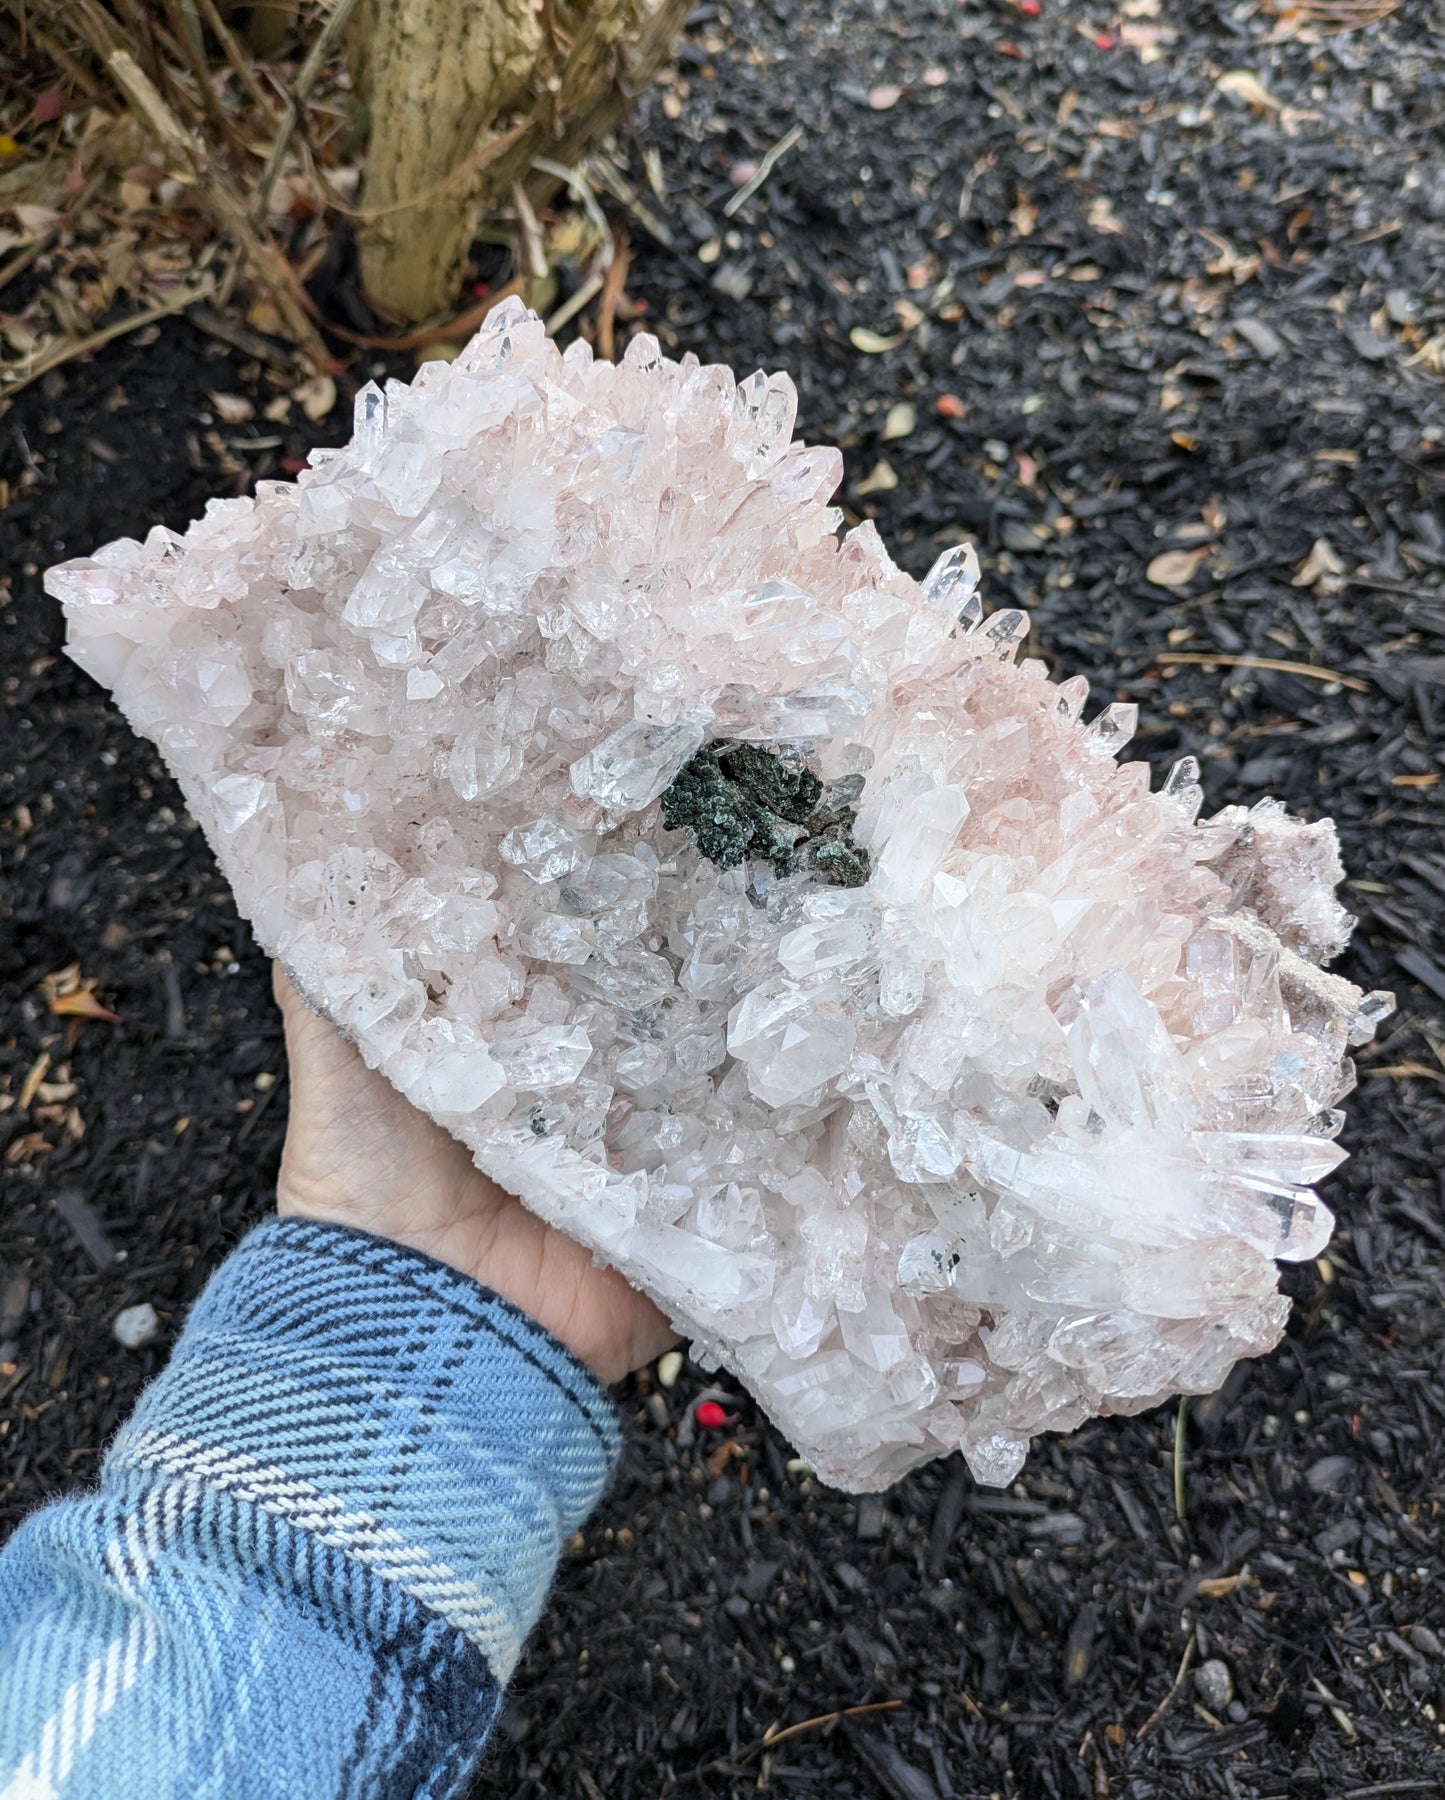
point(224, 202)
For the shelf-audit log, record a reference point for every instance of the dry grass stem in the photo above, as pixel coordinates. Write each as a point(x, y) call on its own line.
point(225, 205)
point(1311, 671)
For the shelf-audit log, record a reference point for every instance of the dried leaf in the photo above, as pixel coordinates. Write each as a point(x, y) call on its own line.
point(82, 1004)
point(1239, 84)
point(882, 479)
point(1322, 568)
point(32, 1082)
point(900, 421)
point(315, 397)
point(25, 1149)
point(37, 220)
point(1311, 20)
point(61, 981)
point(873, 343)
point(728, 1451)
point(1216, 1587)
point(1025, 215)
point(1175, 568)
point(1148, 40)
point(232, 409)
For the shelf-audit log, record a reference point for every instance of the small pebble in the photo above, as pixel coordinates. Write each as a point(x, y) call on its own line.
point(136, 1326)
point(1261, 338)
point(1329, 1473)
point(1214, 1684)
point(669, 1367)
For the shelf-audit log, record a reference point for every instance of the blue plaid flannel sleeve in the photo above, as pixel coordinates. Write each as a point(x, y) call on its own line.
point(316, 1548)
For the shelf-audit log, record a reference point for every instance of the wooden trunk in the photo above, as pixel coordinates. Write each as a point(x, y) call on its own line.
point(463, 94)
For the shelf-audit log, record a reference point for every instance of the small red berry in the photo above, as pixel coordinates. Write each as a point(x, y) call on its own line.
point(1030, 8)
point(710, 1415)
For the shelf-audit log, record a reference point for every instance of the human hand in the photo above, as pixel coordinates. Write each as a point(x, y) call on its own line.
point(358, 1153)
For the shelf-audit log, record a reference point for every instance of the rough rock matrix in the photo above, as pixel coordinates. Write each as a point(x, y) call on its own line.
point(745, 906)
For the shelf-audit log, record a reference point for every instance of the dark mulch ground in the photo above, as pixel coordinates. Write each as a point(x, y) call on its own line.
point(1246, 362)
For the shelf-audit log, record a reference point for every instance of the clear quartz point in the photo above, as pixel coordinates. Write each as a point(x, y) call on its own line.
point(950, 585)
point(1006, 631)
point(745, 906)
point(630, 769)
point(1114, 727)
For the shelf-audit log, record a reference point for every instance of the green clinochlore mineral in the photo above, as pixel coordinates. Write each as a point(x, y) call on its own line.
point(739, 802)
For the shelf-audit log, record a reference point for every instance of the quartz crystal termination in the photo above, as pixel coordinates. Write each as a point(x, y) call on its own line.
point(747, 907)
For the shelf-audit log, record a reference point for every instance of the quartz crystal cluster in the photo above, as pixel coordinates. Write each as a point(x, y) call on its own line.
point(746, 906)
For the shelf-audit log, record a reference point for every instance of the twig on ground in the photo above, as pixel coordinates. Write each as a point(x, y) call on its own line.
point(23, 258)
point(188, 42)
point(1331, 18)
point(1405, 1071)
point(240, 337)
point(772, 1738)
point(621, 190)
point(1377, 1790)
point(612, 290)
point(1168, 1700)
point(573, 305)
point(238, 61)
point(1337, 1712)
point(1310, 670)
point(531, 231)
point(336, 22)
point(765, 168)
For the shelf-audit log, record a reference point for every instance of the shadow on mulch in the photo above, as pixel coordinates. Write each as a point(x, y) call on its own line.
point(1135, 316)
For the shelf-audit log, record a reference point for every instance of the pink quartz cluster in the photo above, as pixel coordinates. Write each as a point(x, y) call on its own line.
point(1005, 1135)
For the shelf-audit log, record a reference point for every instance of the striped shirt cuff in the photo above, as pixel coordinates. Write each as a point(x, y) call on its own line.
point(393, 1409)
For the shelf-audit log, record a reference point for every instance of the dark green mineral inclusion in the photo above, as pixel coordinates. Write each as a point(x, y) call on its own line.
point(739, 802)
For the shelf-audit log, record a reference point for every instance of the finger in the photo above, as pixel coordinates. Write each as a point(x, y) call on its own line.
point(316, 1050)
